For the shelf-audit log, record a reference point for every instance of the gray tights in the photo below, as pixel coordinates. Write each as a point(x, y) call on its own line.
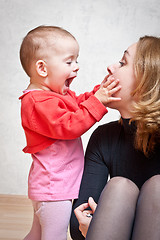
point(125, 213)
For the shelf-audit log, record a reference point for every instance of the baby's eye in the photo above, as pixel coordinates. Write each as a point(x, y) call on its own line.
point(69, 62)
point(121, 63)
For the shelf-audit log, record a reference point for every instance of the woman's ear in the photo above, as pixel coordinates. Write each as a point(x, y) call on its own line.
point(41, 68)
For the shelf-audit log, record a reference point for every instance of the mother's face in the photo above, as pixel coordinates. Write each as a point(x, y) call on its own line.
point(124, 71)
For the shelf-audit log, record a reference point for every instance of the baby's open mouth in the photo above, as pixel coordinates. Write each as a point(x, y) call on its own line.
point(68, 82)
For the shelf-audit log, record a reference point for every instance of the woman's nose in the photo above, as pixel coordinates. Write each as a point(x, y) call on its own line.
point(112, 68)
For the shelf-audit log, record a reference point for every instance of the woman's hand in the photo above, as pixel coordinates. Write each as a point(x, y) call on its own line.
point(84, 216)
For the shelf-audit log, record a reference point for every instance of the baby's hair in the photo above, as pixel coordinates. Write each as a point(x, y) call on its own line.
point(35, 44)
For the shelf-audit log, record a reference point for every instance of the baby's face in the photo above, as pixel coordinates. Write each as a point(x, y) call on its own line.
point(61, 63)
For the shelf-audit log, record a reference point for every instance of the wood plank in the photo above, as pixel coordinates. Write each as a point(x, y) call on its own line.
point(16, 216)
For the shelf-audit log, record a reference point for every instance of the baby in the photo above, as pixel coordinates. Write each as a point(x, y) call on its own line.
point(53, 119)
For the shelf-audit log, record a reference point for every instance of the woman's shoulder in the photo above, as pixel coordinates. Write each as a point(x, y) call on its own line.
point(109, 127)
point(107, 132)
point(104, 138)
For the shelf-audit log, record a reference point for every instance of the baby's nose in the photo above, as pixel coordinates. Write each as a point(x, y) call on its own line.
point(76, 67)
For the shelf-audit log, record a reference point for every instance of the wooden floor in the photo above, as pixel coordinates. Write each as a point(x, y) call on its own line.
point(15, 217)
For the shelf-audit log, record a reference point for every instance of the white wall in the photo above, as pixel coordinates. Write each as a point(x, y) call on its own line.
point(103, 28)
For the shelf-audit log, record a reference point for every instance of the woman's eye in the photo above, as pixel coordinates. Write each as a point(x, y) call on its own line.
point(121, 63)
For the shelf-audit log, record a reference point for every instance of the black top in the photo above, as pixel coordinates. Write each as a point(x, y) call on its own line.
point(111, 151)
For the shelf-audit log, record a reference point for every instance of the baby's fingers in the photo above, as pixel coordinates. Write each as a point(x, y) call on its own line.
point(113, 90)
point(111, 83)
point(114, 99)
point(105, 80)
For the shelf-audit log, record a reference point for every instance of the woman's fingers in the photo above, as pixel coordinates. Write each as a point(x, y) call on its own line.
point(83, 217)
point(79, 211)
point(92, 204)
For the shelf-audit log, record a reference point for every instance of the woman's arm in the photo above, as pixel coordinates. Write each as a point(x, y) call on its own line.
point(94, 178)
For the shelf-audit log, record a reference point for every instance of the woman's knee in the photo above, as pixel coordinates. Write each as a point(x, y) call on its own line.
point(121, 185)
point(149, 198)
point(152, 187)
point(122, 194)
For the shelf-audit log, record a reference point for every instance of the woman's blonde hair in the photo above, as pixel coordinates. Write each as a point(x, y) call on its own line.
point(146, 110)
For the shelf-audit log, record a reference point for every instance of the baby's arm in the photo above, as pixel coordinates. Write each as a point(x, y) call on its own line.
point(106, 91)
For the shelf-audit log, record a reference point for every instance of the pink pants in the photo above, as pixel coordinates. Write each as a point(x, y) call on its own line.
point(50, 220)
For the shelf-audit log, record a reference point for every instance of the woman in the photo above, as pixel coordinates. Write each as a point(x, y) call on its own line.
point(129, 151)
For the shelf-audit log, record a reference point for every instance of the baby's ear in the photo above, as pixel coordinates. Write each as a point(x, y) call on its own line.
point(41, 68)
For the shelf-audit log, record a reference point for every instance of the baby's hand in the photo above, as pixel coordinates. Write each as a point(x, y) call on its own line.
point(106, 91)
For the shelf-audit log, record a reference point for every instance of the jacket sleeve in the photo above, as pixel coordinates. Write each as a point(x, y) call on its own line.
point(82, 97)
point(94, 179)
point(54, 119)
